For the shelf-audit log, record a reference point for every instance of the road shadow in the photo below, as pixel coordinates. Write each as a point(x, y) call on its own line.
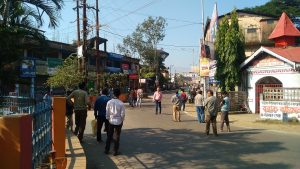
point(175, 148)
point(94, 151)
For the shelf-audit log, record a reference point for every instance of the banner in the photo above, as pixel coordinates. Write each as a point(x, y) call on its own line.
point(204, 67)
point(28, 68)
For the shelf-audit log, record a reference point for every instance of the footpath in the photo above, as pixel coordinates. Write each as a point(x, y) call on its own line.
point(251, 121)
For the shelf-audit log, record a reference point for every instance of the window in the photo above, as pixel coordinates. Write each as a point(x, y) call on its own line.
point(270, 22)
point(251, 30)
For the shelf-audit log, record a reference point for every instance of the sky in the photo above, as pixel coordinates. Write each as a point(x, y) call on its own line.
point(119, 18)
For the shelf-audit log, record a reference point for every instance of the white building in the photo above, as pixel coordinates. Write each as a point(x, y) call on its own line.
point(277, 66)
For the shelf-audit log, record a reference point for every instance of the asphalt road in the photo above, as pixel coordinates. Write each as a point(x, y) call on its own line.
point(155, 141)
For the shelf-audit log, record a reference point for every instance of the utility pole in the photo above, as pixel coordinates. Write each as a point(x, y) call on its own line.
point(78, 23)
point(78, 35)
point(97, 45)
point(84, 45)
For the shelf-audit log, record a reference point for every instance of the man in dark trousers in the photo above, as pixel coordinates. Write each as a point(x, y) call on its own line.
point(100, 112)
point(210, 109)
point(81, 102)
point(115, 114)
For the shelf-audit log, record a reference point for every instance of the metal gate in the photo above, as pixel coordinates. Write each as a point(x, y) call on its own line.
point(258, 90)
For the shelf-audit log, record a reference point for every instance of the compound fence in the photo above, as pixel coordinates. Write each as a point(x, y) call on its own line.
point(41, 122)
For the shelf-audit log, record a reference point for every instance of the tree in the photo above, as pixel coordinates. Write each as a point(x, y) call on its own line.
point(67, 75)
point(221, 51)
point(276, 7)
point(22, 12)
point(143, 42)
point(230, 53)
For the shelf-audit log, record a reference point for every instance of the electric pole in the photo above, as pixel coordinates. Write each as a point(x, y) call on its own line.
point(97, 45)
point(78, 23)
point(84, 45)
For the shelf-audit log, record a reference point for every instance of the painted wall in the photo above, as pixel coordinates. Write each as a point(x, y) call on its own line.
point(285, 73)
point(16, 142)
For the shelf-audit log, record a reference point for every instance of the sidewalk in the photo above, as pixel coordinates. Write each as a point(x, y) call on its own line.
point(251, 121)
point(74, 152)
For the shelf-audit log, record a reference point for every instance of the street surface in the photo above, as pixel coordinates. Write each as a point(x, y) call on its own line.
point(155, 141)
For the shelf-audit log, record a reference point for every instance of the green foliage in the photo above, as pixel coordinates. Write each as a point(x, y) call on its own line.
point(114, 80)
point(230, 53)
point(143, 41)
point(276, 7)
point(221, 51)
point(23, 12)
point(67, 75)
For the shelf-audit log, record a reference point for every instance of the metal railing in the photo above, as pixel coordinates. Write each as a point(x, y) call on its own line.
point(16, 105)
point(41, 113)
point(281, 94)
point(41, 132)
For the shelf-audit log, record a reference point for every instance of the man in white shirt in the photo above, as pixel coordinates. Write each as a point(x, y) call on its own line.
point(199, 106)
point(115, 114)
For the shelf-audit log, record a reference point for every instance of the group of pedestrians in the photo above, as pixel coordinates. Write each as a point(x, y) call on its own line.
point(107, 111)
point(135, 97)
point(207, 109)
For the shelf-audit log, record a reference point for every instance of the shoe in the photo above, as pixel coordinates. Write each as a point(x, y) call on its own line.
point(99, 141)
point(216, 135)
point(228, 129)
point(106, 152)
point(116, 153)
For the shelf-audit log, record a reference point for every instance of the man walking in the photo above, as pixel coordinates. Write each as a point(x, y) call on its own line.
point(100, 113)
point(81, 102)
point(199, 107)
point(183, 99)
point(115, 114)
point(211, 112)
point(157, 97)
point(176, 102)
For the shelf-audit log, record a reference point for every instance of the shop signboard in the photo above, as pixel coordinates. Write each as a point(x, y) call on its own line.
point(28, 68)
point(41, 67)
point(133, 76)
point(204, 67)
point(53, 64)
point(279, 110)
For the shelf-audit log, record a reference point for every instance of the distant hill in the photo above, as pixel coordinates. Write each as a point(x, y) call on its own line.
point(276, 7)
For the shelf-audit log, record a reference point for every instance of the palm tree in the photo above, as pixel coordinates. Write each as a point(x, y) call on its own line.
point(21, 12)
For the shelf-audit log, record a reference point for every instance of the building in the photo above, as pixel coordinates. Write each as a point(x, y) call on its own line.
point(41, 59)
point(255, 27)
point(271, 75)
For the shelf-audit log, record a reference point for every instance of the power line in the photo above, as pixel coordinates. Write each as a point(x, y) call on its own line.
point(143, 14)
point(177, 46)
point(131, 12)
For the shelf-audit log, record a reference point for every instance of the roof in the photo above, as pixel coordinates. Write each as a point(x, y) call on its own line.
point(284, 27)
point(248, 12)
point(290, 55)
